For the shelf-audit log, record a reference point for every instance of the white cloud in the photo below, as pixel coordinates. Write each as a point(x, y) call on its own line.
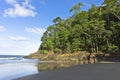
point(24, 9)
point(10, 47)
point(18, 48)
point(11, 1)
point(2, 29)
point(39, 31)
point(18, 38)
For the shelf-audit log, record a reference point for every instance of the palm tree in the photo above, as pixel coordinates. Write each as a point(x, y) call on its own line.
point(76, 8)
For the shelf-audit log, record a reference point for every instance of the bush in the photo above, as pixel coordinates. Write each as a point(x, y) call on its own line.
point(113, 48)
point(44, 51)
point(57, 50)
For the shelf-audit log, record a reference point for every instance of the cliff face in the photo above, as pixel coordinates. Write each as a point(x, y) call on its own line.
point(77, 56)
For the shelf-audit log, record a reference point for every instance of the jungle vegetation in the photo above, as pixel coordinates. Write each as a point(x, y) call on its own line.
point(97, 29)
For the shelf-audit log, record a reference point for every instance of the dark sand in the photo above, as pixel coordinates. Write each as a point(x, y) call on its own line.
point(82, 72)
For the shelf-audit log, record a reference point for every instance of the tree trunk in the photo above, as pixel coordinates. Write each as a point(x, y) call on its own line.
point(108, 21)
point(85, 43)
point(107, 44)
point(116, 16)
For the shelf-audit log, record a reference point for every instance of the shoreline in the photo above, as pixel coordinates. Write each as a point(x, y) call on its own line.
point(100, 71)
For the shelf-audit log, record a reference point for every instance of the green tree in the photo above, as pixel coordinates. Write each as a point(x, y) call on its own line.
point(97, 29)
point(76, 8)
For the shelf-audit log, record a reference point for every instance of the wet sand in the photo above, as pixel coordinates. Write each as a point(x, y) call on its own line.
point(81, 72)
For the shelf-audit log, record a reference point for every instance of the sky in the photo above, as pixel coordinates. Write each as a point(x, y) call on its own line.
point(23, 22)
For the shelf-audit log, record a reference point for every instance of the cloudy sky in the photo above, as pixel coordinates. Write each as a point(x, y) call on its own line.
point(22, 22)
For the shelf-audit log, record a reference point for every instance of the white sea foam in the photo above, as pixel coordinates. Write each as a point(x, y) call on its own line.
point(16, 60)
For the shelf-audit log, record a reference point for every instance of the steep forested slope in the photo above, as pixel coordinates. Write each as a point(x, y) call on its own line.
point(97, 29)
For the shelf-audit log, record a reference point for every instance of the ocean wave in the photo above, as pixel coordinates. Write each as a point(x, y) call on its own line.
point(4, 60)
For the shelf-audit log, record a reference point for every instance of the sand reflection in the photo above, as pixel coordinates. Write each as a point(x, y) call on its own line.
point(43, 66)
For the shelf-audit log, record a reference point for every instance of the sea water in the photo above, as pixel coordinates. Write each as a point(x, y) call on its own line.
point(12, 67)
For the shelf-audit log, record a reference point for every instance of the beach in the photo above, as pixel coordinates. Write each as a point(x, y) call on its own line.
point(16, 70)
point(101, 71)
point(12, 67)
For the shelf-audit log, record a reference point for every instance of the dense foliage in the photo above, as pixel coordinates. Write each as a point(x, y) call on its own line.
point(97, 29)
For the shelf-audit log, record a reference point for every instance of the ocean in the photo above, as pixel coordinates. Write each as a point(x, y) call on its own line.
point(14, 66)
